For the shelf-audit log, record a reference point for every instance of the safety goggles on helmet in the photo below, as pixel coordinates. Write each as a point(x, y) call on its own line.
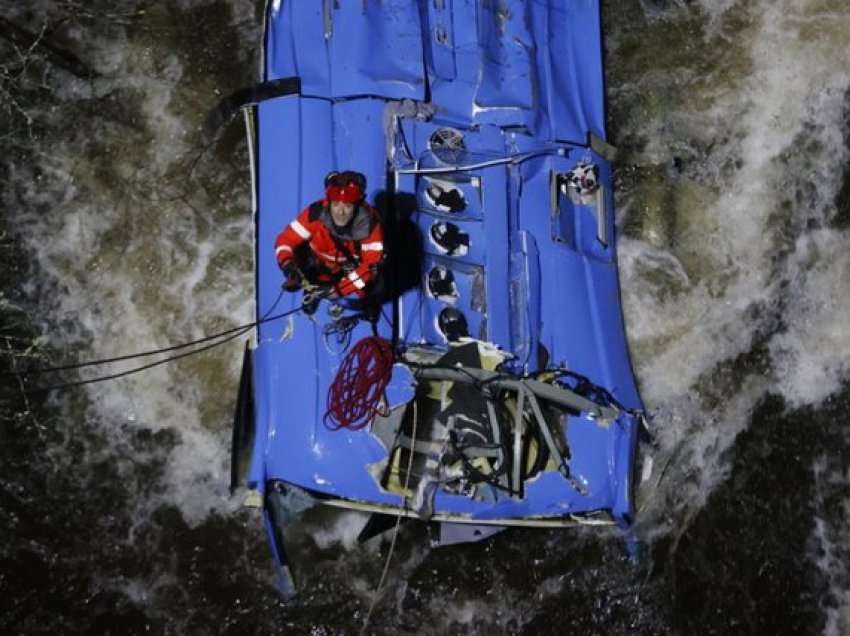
point(346, 187)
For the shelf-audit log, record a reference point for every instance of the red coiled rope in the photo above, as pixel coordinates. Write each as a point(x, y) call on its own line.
point(355, 394)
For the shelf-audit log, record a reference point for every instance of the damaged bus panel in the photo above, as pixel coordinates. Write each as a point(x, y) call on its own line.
point(501, 387)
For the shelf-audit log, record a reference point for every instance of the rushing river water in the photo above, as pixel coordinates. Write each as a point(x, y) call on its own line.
point(124, 229)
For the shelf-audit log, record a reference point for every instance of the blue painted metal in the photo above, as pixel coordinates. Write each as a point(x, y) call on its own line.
point(522, 82)
point(274, 532)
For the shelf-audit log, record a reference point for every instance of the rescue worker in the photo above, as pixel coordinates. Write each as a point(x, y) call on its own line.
point(335, 244)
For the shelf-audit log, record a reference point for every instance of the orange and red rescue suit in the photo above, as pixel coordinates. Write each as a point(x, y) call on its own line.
point(348, 257)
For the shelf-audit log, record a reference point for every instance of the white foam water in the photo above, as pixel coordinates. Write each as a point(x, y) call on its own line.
point(785, 139)
point(135, 254)
point(754, 264)
point(831, 541)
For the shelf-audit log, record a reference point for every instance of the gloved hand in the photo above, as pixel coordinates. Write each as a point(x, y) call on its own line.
point(291, 276)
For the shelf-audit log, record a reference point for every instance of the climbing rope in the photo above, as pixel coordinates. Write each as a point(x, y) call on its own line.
point(357, 390)
point(238, 330)
point(219, 338)
point(395, 530)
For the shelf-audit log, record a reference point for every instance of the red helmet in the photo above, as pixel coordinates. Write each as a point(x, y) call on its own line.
point(346, 186)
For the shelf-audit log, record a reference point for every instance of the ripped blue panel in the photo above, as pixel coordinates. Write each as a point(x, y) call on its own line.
point(505, 94)
point(279, 52)
point(440, 39)
point(590, 460)
point(622, 451)
point(376, 49)
point(481, 62)
point(502, 62)
point(569, 56)
point(296, 45)
point(333, 47)
point(454, 93)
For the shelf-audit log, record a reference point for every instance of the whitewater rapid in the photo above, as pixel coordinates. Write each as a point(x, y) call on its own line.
point(754, 149)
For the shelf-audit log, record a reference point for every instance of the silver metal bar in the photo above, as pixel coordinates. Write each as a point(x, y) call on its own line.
point(547, 435)
point(602, 217)
point(512, 159)
point(328, 18)
point(519, 428)
point(553, 193)
point(248, 114)
point(497, 438)
point(555, 394)
point(526, 522)
point(420, 446)
point(494, 422)
point(563, 468)
point(480, 451)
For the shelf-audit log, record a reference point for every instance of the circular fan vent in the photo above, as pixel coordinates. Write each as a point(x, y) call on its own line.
point(441, 284)
point(449, 238)
point(452, 324)
point(447, 145)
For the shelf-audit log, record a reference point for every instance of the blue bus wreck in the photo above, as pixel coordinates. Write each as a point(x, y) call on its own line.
point(480, 129)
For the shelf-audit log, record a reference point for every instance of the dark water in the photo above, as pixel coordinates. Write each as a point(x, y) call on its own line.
point(123, 229)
